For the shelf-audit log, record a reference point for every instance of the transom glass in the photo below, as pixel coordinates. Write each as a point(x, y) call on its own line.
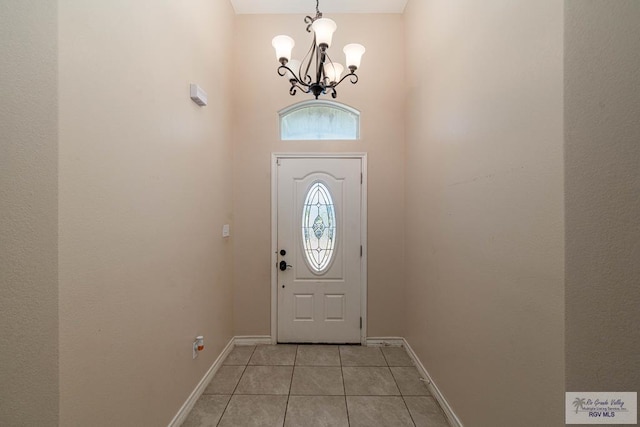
point(319, 120)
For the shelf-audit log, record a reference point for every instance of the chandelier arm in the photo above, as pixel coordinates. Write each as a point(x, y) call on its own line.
point(282, 70)
point(307, 60)
point(354, 79)
point(309, 21)
point(295, 86)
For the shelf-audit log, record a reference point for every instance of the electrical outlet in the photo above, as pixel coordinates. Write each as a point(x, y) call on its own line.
point(198, 345)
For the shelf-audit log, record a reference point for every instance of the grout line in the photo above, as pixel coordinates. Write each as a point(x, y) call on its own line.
point(239, 379)
point(270, 366)
point(400, 391)
point(385, 357)
point(293, 370)
point(408, 411)
point(344, 387)
point(294, 366)
point(237, 384)
point(224, 410)
point(298, 395)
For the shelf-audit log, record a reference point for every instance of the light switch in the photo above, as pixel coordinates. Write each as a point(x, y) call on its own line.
point(225, 230)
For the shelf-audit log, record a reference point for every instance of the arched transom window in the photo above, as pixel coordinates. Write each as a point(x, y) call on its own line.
point(319, 120)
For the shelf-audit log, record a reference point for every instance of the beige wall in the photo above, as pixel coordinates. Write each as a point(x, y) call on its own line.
point(28, 213)
point(484, 211)
point(259, 94)
point(602, 170)
point(145, 187)
point(145, 184)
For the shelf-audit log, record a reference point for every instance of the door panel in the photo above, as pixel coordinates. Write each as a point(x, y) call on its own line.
point(319, 227)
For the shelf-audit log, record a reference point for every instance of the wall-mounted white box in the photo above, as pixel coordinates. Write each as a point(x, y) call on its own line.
point(198, 95)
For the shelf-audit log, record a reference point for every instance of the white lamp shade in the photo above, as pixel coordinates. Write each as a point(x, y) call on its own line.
point(354, 52)
point(294, 65)
point(324, 29)
point(283, 46)
point(333, 71)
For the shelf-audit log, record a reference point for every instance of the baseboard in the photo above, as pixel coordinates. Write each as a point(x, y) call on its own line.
point(454, 421)
point(197, 392)
point(385, 342)
point(182, 414)
point(253, 340)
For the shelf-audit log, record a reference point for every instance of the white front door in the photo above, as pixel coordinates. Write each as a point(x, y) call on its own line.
point(319, 254)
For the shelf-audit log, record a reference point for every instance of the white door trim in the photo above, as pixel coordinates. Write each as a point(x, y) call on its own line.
point(274, 234)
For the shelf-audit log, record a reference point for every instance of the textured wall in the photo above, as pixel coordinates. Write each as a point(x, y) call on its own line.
point(602, 172)
point(259, 94)
point(145, 187)
point(28, 213)
point(484, 263)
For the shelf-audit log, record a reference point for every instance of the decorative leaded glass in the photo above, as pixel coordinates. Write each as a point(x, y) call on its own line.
point(318, 227)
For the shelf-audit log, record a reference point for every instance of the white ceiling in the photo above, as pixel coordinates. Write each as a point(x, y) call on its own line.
point(308, 7)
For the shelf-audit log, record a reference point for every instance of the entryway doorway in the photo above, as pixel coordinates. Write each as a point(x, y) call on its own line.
point(319, 248)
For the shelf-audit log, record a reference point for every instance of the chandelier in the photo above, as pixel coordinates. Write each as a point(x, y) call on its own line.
point(316, 73)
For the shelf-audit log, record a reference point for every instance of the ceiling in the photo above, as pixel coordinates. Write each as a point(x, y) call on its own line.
point(308, 7)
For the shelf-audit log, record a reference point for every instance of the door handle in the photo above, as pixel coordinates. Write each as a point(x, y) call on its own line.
point(284, 265)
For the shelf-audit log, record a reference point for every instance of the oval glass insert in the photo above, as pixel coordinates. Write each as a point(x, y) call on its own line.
point(318, 227)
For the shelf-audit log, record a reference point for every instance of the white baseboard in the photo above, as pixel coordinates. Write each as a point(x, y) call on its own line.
point(454, 421)
point(253, 340)
point(197, 392)
point(385, 342)
point(204, 382)
point(182, 414)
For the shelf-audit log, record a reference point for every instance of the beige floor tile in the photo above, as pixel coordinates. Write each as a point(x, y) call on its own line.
point(378, 411)
point(254, 411)
point(426, 412)
point(316, 411)
point(265, 380)
point(240, 355)
point(274, 355)
point(408, 380)
point(207, 411)
point(369, 381)
point(317, 380)
point(308, 384)
point(225, 380)
point(318, 355)
point(353, 355)
point(396, 356)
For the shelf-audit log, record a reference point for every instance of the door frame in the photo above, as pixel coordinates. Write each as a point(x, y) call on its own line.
point(274, 233)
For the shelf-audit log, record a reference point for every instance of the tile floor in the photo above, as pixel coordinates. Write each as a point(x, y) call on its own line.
point(316, 385)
